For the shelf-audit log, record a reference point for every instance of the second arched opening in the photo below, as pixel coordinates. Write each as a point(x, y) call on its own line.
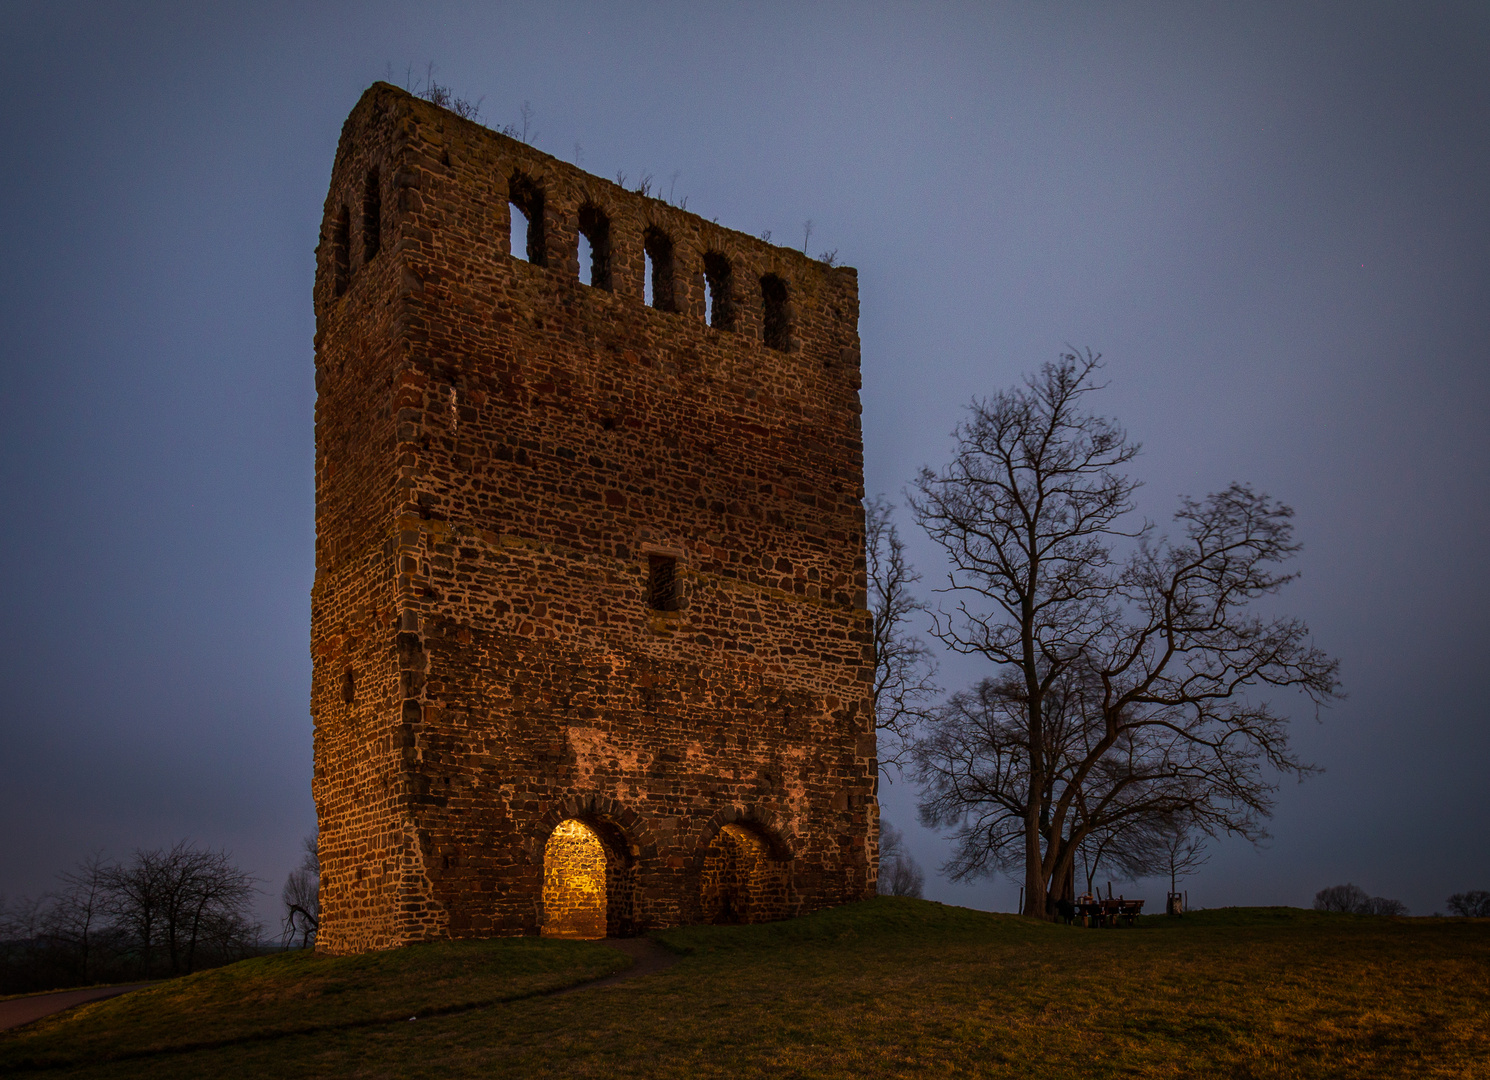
point(742, 880)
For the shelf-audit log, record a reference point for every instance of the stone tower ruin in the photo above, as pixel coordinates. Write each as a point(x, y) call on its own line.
point(588, 628)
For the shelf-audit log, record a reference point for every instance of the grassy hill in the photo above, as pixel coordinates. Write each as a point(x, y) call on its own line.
point(886, 988)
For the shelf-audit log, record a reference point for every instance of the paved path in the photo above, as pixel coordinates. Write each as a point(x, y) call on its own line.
point(23, 1010)
point(650, 958)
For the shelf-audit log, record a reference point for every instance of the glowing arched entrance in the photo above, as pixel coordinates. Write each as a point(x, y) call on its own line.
point(574, 899)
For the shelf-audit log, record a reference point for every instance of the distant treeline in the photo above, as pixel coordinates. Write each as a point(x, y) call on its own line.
point(158, 913)
point(1353, 900)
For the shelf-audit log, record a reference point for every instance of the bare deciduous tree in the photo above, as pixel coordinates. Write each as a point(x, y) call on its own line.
point(135, 899)
point(78, 912)
point(1181, 850)
point(212, 900)
point(1122, 685)
point(21, 918)
point(900, 874)
point(179, 898)
point(302, 897)
point(904, 672)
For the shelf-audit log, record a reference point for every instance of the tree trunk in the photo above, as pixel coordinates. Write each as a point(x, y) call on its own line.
point(1034, 869)
point(1034, 890)
point(191, 948)
point(148, 931)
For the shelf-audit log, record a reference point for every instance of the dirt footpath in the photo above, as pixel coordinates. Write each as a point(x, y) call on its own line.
point(23, 1010)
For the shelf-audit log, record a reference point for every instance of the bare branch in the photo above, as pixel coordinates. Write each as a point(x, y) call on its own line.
point(904, 671)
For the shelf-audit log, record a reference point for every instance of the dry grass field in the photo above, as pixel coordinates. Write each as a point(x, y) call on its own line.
point(888, 988)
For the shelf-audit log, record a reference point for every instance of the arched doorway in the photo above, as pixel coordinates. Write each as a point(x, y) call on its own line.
point(743, 881)
point(574, 886)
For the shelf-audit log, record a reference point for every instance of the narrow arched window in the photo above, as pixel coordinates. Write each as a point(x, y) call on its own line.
point(594, 242)
point(341, 257)
point(719, 282)
point(525, 203)
point(372, 216)
point(775, 314)
point(659, 257)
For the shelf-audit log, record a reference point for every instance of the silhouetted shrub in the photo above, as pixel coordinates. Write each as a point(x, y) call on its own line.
point(1352, 900)
point(1474, 904)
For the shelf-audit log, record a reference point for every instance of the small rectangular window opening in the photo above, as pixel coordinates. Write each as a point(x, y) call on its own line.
point(372, 217)
point(662, 582)
point(349, 686)
point(718, 288)
point(658, 288)
point(594, 247)
point(775, 319)
point(341, 243)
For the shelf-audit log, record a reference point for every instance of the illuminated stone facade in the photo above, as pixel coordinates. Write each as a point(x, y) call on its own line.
point(575, 893)
point(578, 558)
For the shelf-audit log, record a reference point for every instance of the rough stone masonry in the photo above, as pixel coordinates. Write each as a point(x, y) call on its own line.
point(586, 550)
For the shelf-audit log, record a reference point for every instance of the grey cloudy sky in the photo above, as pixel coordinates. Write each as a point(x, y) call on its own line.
point(1272, 219)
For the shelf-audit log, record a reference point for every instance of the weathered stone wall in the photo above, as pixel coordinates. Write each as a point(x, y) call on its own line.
point(503, 454)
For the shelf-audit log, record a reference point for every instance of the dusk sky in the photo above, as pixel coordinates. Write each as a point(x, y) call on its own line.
point(1273, 220)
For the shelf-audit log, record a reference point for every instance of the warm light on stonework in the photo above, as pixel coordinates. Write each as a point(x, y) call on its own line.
point(574, 883)
point(577, 558)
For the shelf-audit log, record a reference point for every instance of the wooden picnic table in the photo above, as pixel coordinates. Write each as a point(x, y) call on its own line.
point(1109, 912)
